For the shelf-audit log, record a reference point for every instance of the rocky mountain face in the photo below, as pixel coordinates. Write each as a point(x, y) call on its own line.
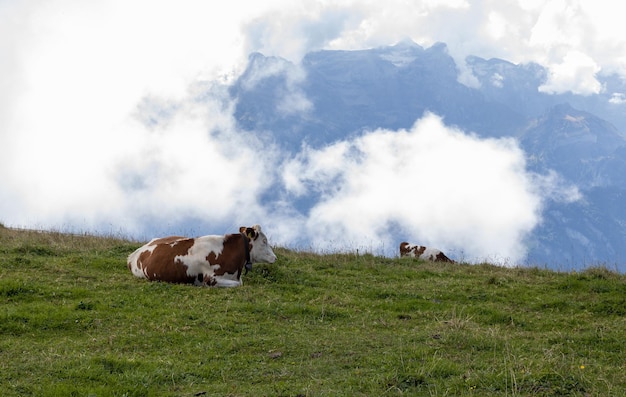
point(336, 94)
point(590, 153)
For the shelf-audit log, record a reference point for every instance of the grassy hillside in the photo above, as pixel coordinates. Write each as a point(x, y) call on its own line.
point(75, 322)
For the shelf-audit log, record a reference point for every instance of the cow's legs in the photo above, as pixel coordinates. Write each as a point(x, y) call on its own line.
point(226, 283)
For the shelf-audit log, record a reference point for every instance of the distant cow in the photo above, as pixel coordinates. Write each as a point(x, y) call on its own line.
point(421, 252)
point(206, 261)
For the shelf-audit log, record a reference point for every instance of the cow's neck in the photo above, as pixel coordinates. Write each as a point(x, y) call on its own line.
point(246, 243)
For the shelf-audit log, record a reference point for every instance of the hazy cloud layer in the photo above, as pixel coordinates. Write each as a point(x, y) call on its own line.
point(113, 116)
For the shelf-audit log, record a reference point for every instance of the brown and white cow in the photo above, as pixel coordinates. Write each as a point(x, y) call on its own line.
point(421, 252)
point(214, 261)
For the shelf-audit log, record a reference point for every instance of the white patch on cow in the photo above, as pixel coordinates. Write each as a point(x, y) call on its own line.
point(430, 254)
point(133, 259)
point(195, 259)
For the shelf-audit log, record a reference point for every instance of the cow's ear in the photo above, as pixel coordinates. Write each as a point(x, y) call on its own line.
point(251, 233)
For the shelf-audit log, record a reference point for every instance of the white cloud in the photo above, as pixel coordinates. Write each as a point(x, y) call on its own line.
point(618, 98)
point(576, 74)
point(432, 184)
point(192, 165)
point(77, 75)
point(552, 186)
point(497, 80)
point(293, 99)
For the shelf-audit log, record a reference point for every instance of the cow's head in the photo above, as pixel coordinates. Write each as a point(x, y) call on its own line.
point(260, 250)
point(404, 248)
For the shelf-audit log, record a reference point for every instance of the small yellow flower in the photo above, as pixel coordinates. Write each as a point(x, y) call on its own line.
point(582, 367)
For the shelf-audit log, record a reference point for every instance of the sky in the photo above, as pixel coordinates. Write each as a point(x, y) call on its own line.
point(114, 118)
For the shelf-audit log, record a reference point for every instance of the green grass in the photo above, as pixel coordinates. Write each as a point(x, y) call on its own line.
point(75, 322)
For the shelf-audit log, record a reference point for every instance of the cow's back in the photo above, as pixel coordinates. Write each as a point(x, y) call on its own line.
point(160, 259)
point(435, 255)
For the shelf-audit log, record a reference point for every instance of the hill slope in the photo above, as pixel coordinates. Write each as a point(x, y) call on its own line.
point(76, 322)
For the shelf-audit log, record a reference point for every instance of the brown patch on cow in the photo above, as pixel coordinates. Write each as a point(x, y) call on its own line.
point(442, 258)
point(161, 263)
point(419, 250)
point(233, 256)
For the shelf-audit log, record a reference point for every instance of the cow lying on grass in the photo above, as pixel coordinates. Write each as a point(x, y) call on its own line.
point(421, 252)
point(214, 261)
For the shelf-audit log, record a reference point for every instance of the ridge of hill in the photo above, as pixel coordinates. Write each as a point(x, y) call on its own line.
point(74, 321)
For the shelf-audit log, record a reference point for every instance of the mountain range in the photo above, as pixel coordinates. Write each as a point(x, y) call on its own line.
point(580, 137)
